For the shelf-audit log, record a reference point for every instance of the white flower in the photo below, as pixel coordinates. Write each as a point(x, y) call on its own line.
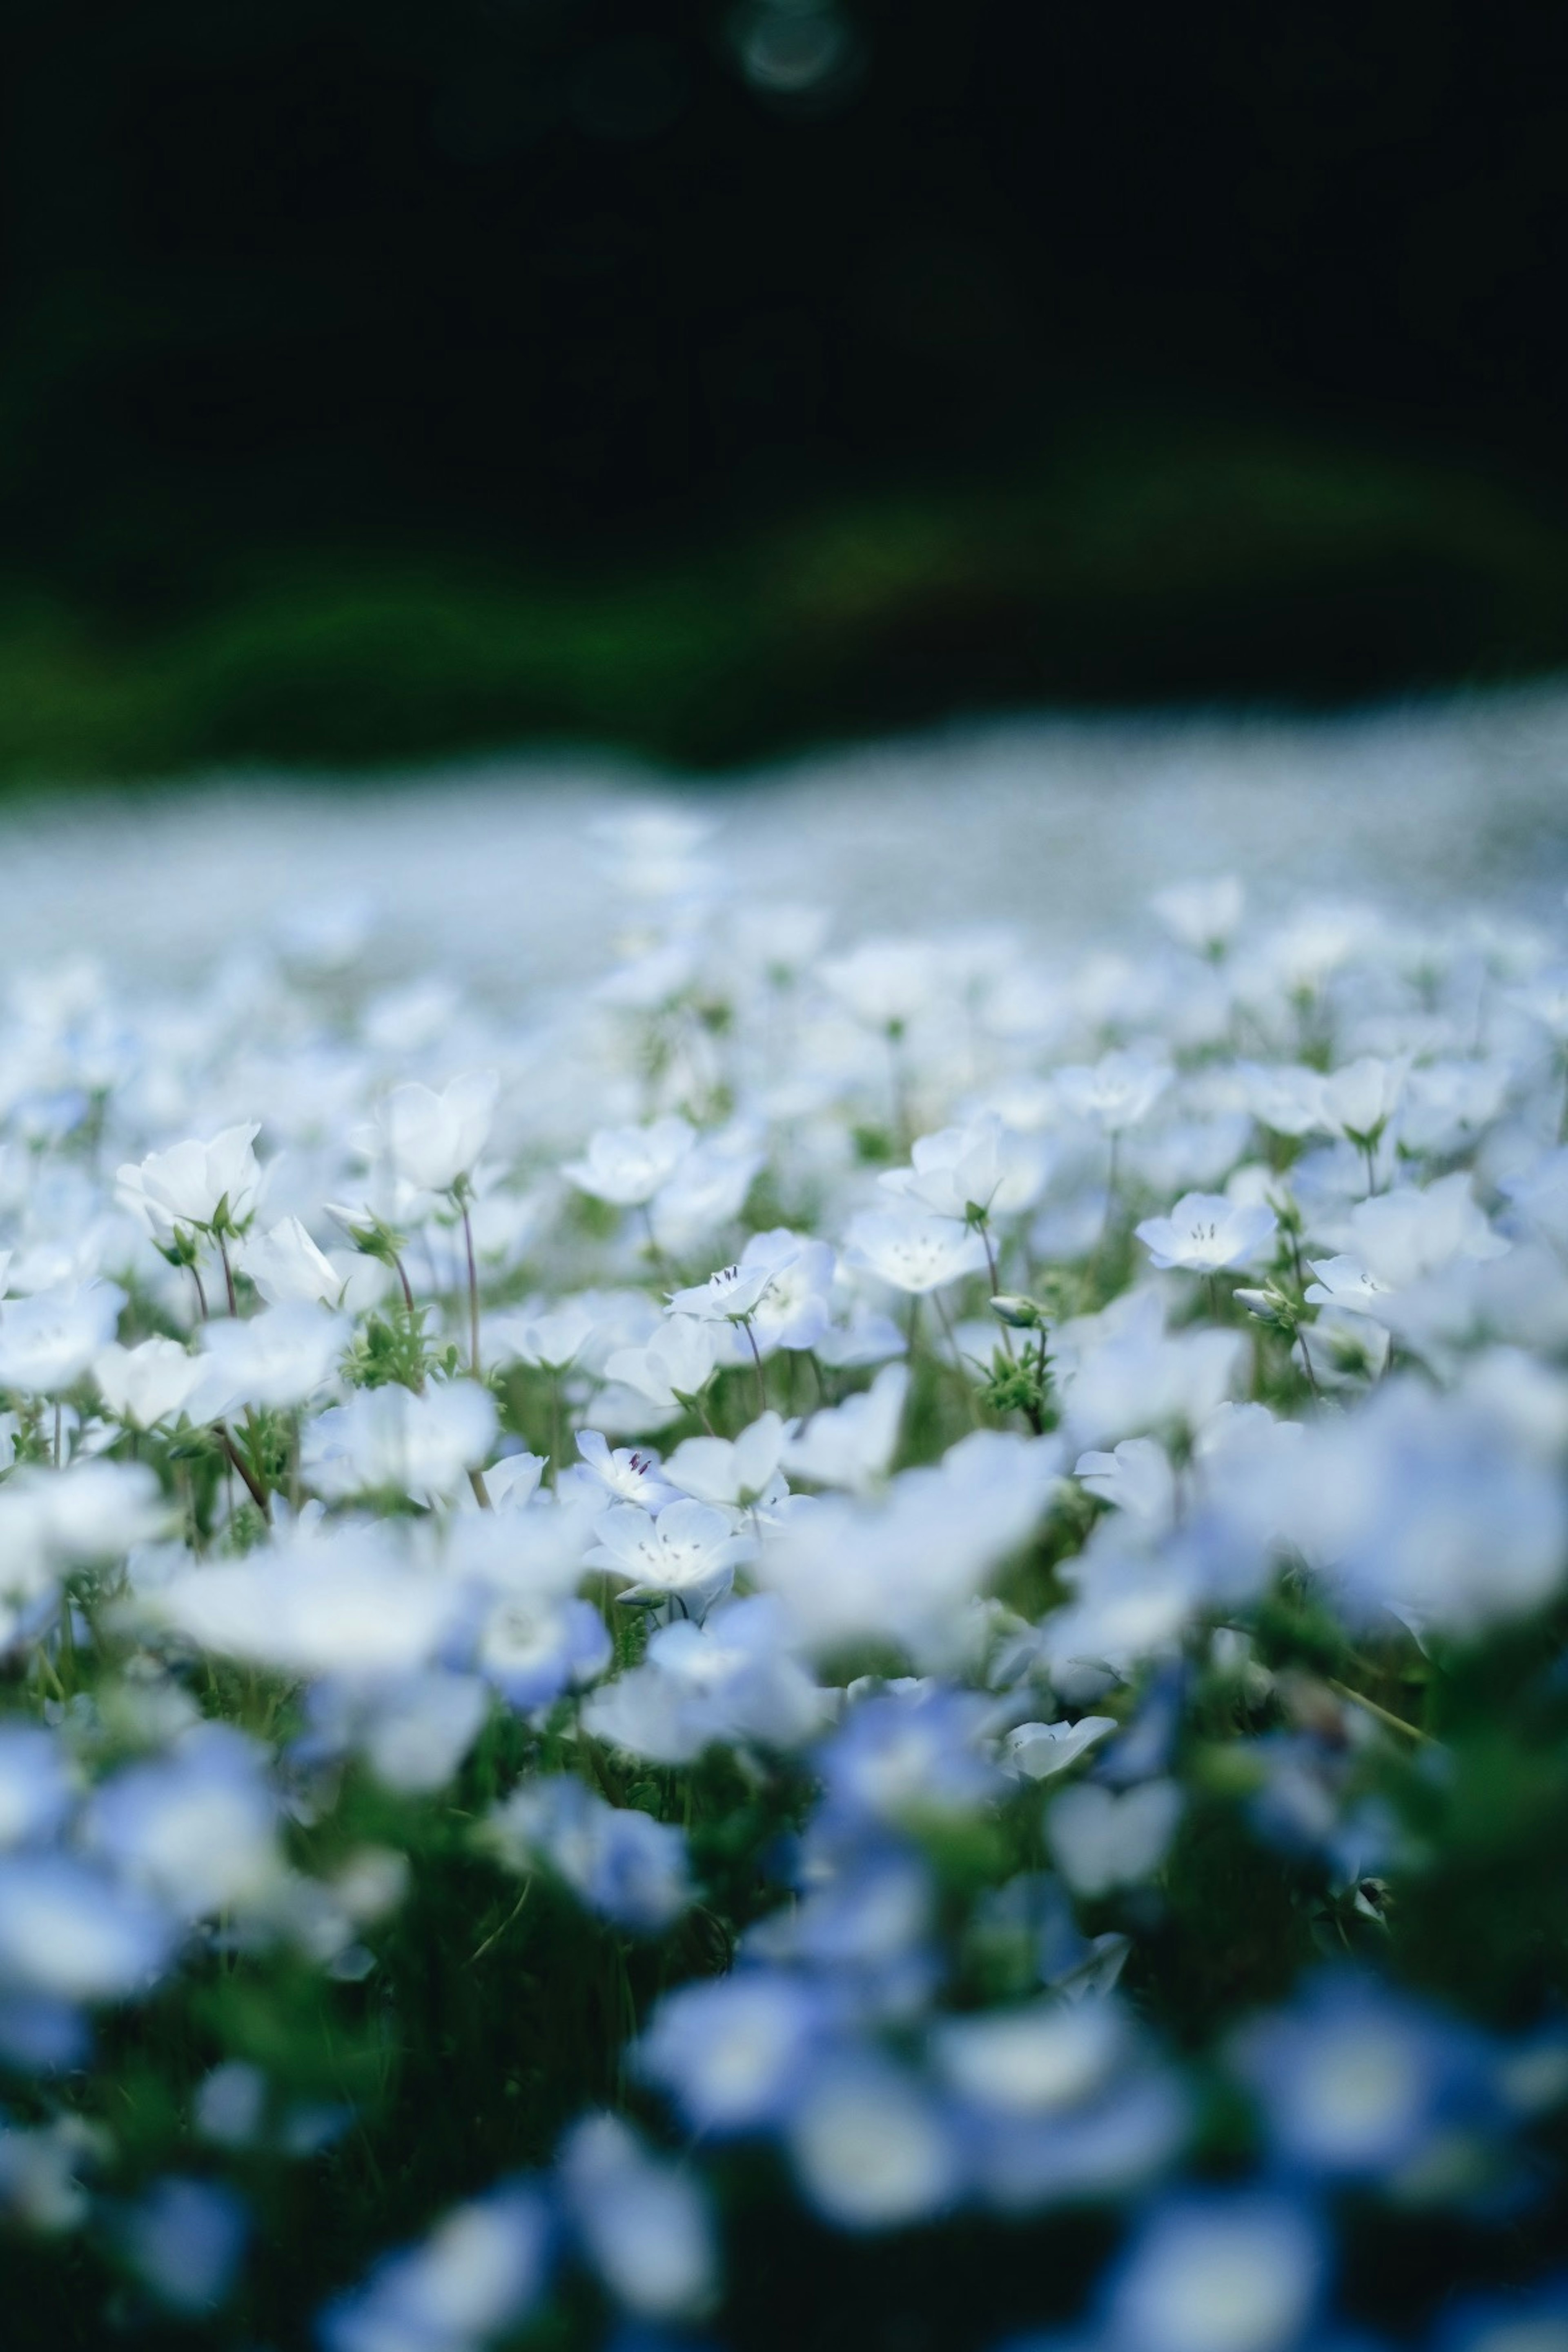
point(735, 1471)
point(1100, 1840)
point(688, 1555)
point(675, 1365)
point(48, 1341)
point(197, 1185)
point(1117, 1092)
point(1037, 1752)
point(727, 1296)
point(984, 1166)
point(1205, 1232)
point(388, 1440)
point(338, 1603)
point(851, 1445)
point(285, 1264)
point(1359, 1100)
point(552, 1340)
point(913, 1253)
point(433, 1140)
point(1203, 916)
point(144, 1385)
point(627, 1165)
point(628, 1474)
point(279, 1358)
point(795, 1309)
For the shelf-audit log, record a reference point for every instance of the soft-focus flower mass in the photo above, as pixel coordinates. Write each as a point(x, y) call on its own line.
point(835, 1626)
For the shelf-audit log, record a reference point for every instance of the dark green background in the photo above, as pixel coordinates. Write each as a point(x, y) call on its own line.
point(380, 378)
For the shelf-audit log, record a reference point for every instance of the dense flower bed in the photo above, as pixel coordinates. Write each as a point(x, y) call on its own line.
point(845, 1644)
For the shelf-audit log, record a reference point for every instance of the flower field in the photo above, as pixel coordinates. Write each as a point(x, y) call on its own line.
point(846, 1640)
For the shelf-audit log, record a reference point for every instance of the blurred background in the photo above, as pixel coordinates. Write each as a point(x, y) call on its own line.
point(382, 379)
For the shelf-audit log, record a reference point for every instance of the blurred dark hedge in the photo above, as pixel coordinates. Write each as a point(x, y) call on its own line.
point(380, 378)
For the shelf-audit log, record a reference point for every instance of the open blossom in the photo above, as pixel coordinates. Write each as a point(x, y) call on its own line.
point(851, 1445)
point(144, 1385)
point(389, 1440)
point(676, 1363)
point(627, 1165)
point(284, 1264)
point(985, 1167)
point(912, 1252)
point(736, 1471)
point(1205, 1231)
point(1359, 1100)
point(686, 1556)
point(48, 1341)
point(1117, 1092)
point(728, 1297)
point(1203, 916)
point(433, 1140)
point(280, 1356)
point(193, 1184)
point(627, 1474)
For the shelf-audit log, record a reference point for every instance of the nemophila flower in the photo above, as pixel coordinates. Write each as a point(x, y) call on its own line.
point(1205, 1232)
point(730, 1296)
point(510, 1483)
point(673, 1368)
point(1101, 1840)
point(48, 1341)
point(886, 984)
point(1134, 1378)
point(794, 1307)
point(149, 1383)
point(1399, 1237)
point(285, 1265)
point(1203, 916)
point(706, 1190)
point(732, 2054)
point(345, 1602)
point(907, 1757)
point(431, 1140)
point(871, 2148)
point(474, 2279)
point(851, 1446)
point(197, 1828)
point(623, 1474)
point(732, 1678)
point(279, 1358)
point(388, 1440)
point(1118, 1092)
point(71, 1931)
point(913, 1253)
point(213, 1187)
point(36, 1784)
point(627, 1165)
point(967, 1170)
point(413, 1729)
point(732, 1470)
point(618, 1862)
point(643, 2223)
point(551, 1340)
point(687, 1557)
point(1359, 1100)
point(1037, 1752)
point(532, 1651)
point(1357, 2082)
point(1285, 1096)
point(185, 2240)
point(1238, 2271)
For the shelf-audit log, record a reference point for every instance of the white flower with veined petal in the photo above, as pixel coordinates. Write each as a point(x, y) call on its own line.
point(195, 1185)
point(627, 1165)
point(142, 1386)
point(733, 1471)
point(727, 1296)
point(1205, 1231)
point(1117, 1092)
point(433, 1140)
point(913, 1253)
point(686, 1556)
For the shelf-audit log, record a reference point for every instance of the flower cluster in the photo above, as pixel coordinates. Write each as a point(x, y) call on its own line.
point(874, 1629)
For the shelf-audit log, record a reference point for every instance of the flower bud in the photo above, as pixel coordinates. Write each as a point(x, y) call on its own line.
point(1023, 1314)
